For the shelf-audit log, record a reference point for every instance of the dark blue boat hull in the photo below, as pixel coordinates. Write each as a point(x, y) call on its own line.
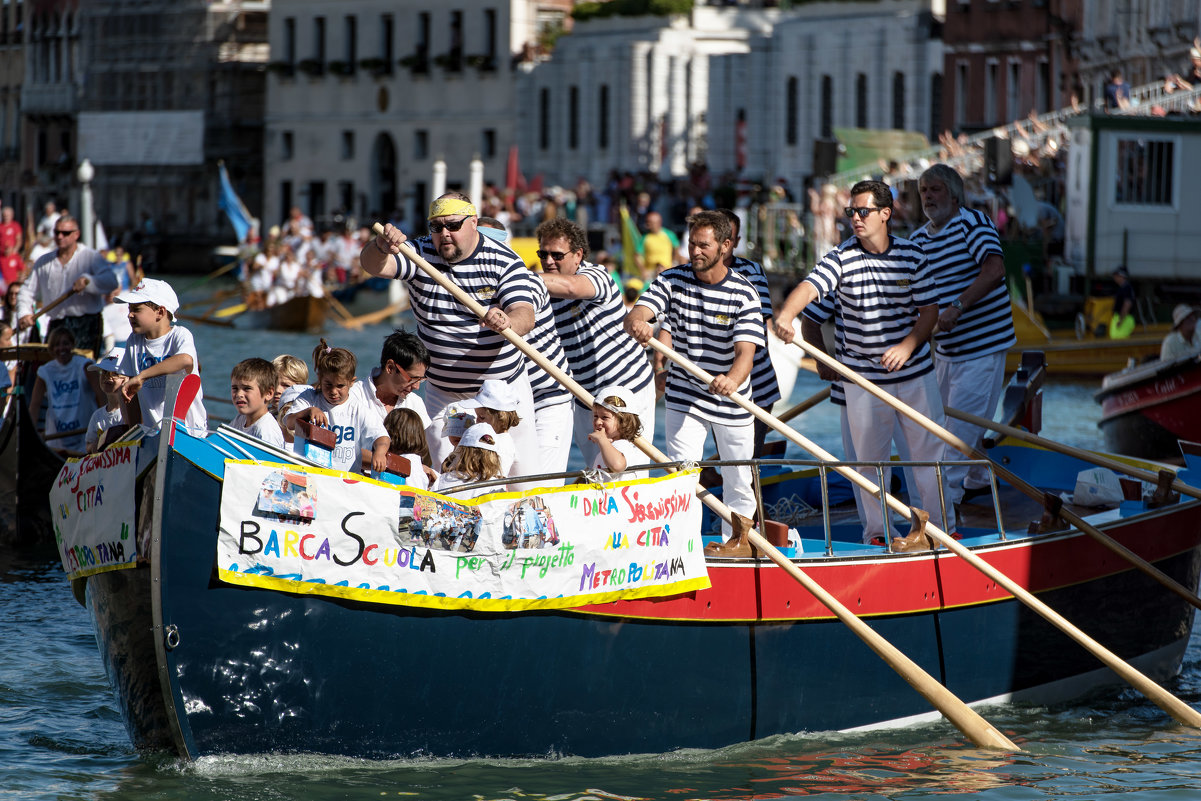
point(237, 670)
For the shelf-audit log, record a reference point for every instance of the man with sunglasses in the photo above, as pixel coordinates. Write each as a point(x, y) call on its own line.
point(975, 324)
point(885, 308)
point(589, 311)
point(464, 351)
point(403, 363)
point(71, 267)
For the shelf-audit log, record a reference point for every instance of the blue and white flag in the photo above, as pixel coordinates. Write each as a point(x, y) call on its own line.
point(233, 207)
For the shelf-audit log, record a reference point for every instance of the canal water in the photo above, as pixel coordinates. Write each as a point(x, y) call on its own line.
point(61, 736)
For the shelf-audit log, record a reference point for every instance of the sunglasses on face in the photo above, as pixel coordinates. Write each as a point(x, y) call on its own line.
point(438, 227)
point(410, 380)
point(65, 233)
point(862, 211)
point(557, 255)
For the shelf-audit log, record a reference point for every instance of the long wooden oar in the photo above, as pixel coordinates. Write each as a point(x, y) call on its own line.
point(53, 303)
point(191, 318)
point(1017, 482)
point(975, 728)
point(1068, 450)
point(347, 319)
point(64, 434)
point(805, 405)
point(214, 274)
point(1169, 703)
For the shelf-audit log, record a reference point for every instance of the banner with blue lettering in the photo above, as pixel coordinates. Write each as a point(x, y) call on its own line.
point(311, 530)
point(92, 506)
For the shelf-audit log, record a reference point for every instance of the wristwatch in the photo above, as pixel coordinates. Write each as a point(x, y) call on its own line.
point(957, 305)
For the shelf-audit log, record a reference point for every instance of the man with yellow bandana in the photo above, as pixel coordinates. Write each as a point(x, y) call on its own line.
point(465, 351)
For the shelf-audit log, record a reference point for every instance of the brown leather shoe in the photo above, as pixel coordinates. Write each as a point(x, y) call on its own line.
point(738, 544)
point(916, 539)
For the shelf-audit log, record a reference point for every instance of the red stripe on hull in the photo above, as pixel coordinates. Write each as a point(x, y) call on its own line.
point(909, 584)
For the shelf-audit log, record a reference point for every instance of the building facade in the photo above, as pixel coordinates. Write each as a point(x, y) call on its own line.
point(1004, 60)
point(1146, 39)
point(823, 66)
point(364, 101)
point(12, 74)
point(630, 93)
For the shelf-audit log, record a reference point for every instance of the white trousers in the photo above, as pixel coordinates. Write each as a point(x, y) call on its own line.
point(644, 407)
point(686, 435)
point(553, 426)
point(526, 458)
point(871, 424)
point(971, 386)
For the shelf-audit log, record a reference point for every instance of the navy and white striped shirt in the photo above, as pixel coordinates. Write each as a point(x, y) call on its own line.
point(955, 255)
point(765, 389)
point(819, 311)
point(462, 351)
point(878, 297)
point(545, 339)
point(599, 351)
point(706, 320)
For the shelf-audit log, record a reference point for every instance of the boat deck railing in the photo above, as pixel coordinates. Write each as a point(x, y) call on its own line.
point(791, 510)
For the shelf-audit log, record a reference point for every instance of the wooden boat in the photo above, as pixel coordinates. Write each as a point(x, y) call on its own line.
point(1146, 410)
point(1080, 353)
point(202, 666)
point(27, 465)
point(303, 314)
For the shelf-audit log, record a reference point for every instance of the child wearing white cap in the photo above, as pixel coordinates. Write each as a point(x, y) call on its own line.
point(110, 414)
point(496, 404)
point(476, 458)
point(156, 348)
point(614, 427)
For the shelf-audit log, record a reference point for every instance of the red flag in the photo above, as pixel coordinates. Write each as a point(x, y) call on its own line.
point(514, 180)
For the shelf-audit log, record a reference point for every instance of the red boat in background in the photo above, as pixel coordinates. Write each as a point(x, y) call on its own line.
point(1146, 410)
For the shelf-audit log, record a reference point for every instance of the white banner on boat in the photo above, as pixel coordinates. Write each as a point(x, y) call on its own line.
point(92, 506)
point(310, 530)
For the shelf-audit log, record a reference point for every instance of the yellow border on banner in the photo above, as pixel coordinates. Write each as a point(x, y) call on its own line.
point(102, 569)
point(397, 598)
point(426, 601)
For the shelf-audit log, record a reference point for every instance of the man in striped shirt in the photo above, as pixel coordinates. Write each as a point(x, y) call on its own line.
point(464, 351)
point(765, 389)
point(589, 310)
point(885, 307)
point(975, 323)
point(715, 318)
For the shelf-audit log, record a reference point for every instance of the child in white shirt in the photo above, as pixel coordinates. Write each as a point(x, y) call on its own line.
point(252, 384)
point(614, 427)
point(63, 382)
point(356, 426)
point(110, 414)
point(406, 436)
point(496, 405)
point(156, 349)
point(476, 458)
